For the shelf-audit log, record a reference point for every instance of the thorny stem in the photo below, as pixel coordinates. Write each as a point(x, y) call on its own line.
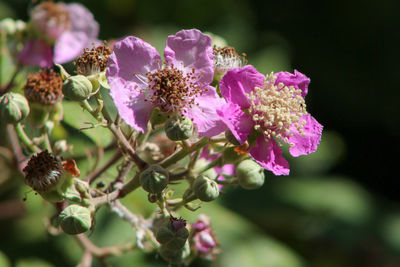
point(180, 154)
point(25, 139)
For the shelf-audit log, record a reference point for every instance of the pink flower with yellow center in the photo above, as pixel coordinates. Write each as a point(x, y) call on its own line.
point(274, 107)
point(59, 34)
point(139, 81)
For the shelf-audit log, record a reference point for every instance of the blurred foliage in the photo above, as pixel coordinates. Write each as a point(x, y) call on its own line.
point(339, 206)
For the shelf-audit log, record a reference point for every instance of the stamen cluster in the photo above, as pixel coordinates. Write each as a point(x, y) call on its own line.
point(173, 90)
point(275, 108)
point(43, 171)
point(44, 87)
point(226, 59)
point(93, 61)
point(49, 15)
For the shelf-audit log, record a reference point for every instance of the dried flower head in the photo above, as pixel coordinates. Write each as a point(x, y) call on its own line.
point(93, 61)
point(44, 87)
point(43, 171)
point(226, 59)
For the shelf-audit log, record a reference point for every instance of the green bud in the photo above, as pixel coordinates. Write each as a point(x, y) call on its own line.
point(250, 174)
point(157, 117)
point(179, 239)
point(171, 255)
point(75, 219)
point(179, 128)
point(165, 234)
point(231, 138)
point(77, 88)
point(172, 233)
point(205, 188)
point(230, 155)
point(13, 108)
point(154, 179)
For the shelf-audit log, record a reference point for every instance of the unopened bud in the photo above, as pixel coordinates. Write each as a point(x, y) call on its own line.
point(205, 188)
point(154, 179)
point(77, 88)
point(13, 108)
point(250, 174)
point(75, 219)
point(179, 128)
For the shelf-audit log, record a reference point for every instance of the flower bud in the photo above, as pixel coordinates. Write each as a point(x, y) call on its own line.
point(174, 256)
point(77, 88)
point(173, 233)
point(205, 188)
point(154, 179)
point(13, 108)
point(231, 138)
point(250, 174)
point(179, 128)
point(75, 219)
point(230, 155)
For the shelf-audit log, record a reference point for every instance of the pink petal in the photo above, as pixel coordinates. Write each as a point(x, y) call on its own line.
point(191, 49)
point(238, 82)
point(298, 80)
point(204, 113)
point(269, 156)
point(131, 59)
point(82, 20)
point(69, 46)
point(38, 53)
point(307, 144)
point(238, 122)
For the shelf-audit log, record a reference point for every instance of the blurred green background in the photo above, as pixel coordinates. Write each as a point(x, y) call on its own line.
point(338, 207)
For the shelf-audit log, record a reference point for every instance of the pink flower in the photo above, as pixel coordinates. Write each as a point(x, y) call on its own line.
point(139, 82)
point(274, 106)
point(60, 33)
point(204, 241)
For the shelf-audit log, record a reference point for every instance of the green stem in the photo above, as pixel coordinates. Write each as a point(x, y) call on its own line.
point(210, 165)
point(25, 139)
point(46, 140)
point(183, 153)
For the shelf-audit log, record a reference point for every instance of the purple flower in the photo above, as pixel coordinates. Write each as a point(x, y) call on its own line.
point(60, 33)
point(204, 241)
point(139, 82)
point(274, 106)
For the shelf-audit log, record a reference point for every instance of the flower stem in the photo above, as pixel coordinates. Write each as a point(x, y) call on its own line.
point(183, 153)
point(25, 139)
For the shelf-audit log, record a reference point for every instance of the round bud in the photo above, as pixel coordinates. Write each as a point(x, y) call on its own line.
point(179, 128)
point(171, 255)
point(75, 219)
point(250, 174)
point(77, 88)
point(205, 188)
point(154, 179)
point(179, 239)
point(13, 108)
point(165, 234)
point(231, 138)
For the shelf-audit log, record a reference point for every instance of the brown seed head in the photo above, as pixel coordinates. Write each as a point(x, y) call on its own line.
point(93, 61)
point(44, 87)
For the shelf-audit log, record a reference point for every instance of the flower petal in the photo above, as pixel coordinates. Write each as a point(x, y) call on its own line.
point(269, 156)
point(82, 20)
point(68, 46)
point(191, 49)
point(238, 82)
point(204, 113)
point(298, 80)
point(131, 59)
point(238, 122)
point(307, 144)
point(38, 53)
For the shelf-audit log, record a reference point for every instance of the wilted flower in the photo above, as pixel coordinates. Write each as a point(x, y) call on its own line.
point(274, 106)
point(139, 82)
point(203, 239)
point(44, 87)
point(59, 34)
point(226, 59)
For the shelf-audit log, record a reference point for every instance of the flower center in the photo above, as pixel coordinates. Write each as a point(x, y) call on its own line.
point(51, 18)
point(172, 90)
point(44, 87)
point(275, 108)
point(93, 60)
point(226, 59)
point(43, 171)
